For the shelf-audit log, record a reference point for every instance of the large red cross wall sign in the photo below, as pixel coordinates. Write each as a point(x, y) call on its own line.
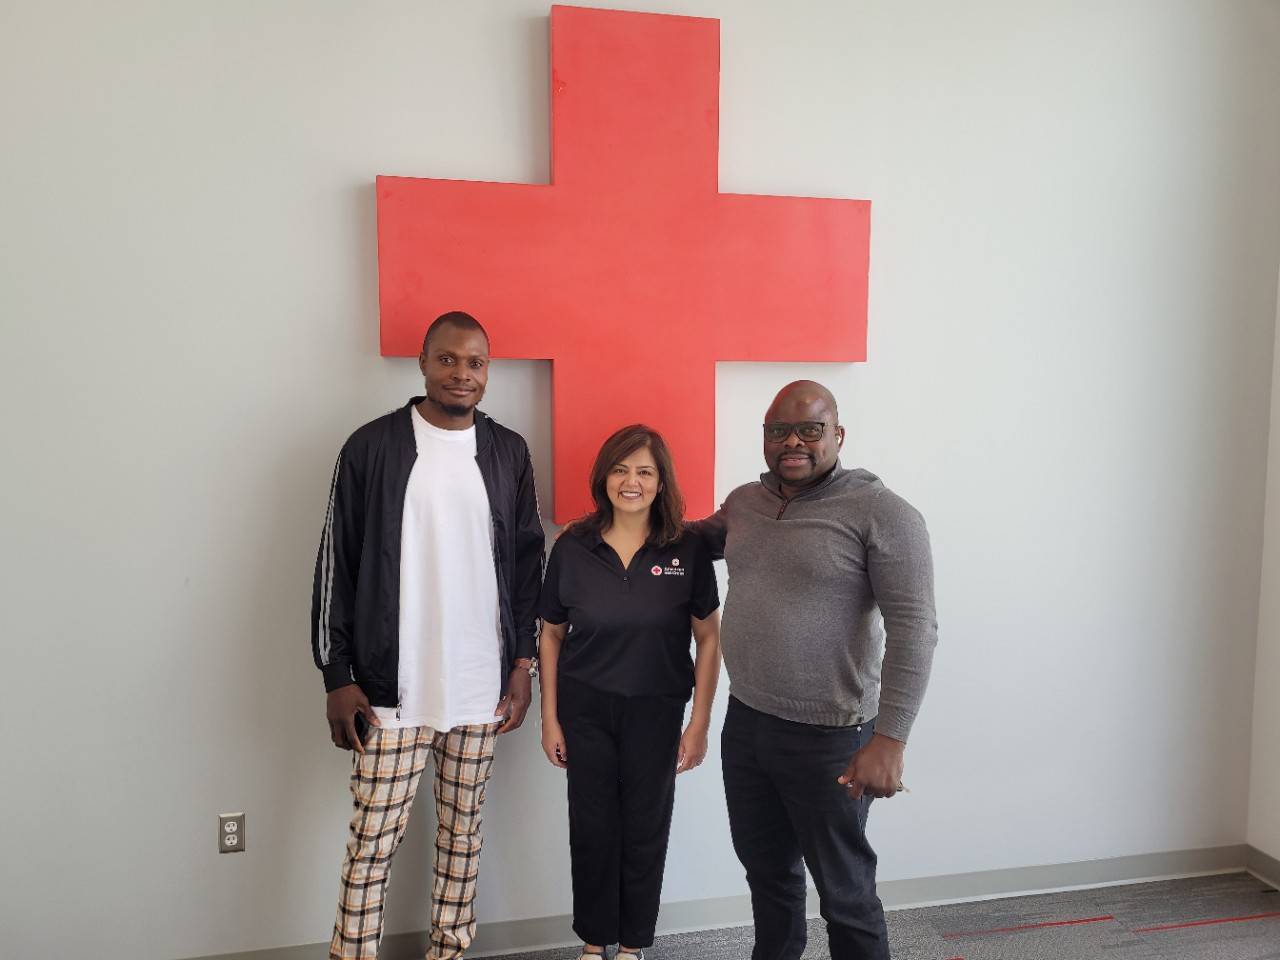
point(630, 271)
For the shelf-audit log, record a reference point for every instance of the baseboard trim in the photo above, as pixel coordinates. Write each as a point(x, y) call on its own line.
point(1263, 866)
point(540, 933)
point(1051, 878)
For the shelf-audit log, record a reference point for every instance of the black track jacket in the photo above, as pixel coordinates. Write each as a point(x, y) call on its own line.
point(355, 605)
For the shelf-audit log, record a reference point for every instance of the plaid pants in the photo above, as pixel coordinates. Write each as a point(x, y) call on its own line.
point(383, 783)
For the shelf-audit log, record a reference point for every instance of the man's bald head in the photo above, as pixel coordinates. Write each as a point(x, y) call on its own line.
point(800, 461)
point(808, 393)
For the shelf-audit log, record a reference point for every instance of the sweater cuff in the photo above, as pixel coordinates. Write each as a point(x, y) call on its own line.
point(337, 675)
point(892, 724)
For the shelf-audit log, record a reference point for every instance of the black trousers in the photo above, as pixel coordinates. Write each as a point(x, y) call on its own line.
point(785, 807)
point(622, 785)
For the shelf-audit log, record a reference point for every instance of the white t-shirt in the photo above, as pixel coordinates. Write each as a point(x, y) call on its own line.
point(449, 632)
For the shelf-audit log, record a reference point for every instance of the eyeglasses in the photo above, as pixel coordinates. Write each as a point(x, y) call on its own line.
point(807, 430)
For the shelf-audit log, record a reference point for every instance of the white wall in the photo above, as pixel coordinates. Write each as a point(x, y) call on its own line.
point(1264, 793)
point(1076, 230)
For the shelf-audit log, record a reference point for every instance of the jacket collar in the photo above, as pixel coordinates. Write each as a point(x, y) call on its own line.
point(773, 484)
point(404, 426)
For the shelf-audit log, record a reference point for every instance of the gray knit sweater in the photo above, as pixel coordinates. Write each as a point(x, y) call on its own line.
point(822, 587)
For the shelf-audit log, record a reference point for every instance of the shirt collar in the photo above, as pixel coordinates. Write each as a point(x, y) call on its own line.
point(593, 541)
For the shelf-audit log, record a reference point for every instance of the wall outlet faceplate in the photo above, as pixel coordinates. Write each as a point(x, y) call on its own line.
point(230, 832)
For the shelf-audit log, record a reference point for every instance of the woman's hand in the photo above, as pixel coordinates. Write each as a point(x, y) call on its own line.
point(553, 744)
point(693, 747)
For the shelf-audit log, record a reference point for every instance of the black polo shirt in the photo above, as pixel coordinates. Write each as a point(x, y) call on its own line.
point(629, 630)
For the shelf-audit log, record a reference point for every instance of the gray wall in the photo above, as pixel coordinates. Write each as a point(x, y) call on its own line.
point(1076, 231)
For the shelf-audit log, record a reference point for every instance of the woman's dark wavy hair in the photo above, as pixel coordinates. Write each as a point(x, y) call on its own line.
point(666, 513)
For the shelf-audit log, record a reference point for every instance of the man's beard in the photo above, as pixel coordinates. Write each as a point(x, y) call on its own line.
point(452, 409)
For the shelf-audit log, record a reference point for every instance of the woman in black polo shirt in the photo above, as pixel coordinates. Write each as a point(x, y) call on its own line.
point(625, 588)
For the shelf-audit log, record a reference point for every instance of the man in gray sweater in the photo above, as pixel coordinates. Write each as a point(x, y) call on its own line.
point(828, 636)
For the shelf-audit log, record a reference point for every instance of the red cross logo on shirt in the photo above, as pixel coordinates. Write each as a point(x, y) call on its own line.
point(630, 271)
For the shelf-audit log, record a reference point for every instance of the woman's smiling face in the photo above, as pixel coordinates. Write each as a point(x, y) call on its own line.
point(633, 483)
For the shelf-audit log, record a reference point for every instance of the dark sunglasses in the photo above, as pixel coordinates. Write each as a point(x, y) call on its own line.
point(807, 430)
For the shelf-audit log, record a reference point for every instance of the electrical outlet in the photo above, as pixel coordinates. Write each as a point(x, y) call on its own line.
point(230, 832)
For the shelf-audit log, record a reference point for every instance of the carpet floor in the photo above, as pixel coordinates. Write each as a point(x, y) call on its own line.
point(1228, 917)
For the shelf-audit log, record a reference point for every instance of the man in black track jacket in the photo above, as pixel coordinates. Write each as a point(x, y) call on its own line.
point(424, 627)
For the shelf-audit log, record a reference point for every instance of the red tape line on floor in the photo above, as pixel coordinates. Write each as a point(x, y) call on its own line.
point(1026, 926)
point(1207, 923)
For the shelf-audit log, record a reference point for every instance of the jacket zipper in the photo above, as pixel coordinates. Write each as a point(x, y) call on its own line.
point(786, 502)
point(501, 580)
